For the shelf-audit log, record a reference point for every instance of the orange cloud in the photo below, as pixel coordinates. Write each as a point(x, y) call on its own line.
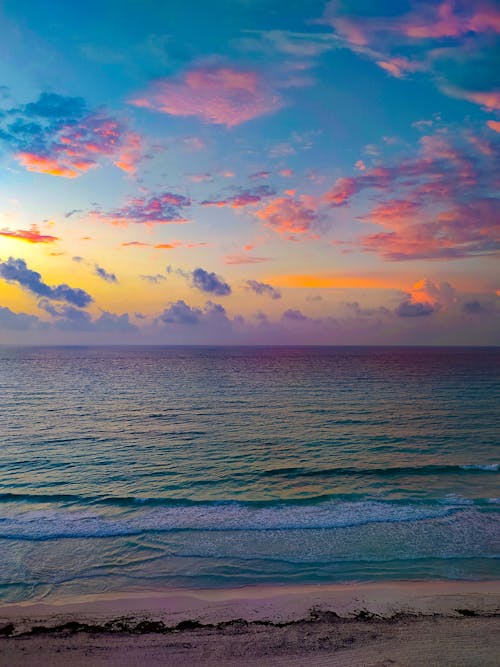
point(31, 235)
point(46, 165)
point(437, 294)
point(494, 125)
point(290, 215)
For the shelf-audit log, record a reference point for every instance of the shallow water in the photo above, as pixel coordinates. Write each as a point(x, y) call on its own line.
point(131, 468)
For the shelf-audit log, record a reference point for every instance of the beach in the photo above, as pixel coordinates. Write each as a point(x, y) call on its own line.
point(390, 623)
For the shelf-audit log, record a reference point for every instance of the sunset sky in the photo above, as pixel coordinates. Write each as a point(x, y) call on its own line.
point(249, 172)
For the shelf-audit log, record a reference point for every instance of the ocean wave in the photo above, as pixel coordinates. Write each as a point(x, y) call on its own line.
point(57, 523)
point(393, 471)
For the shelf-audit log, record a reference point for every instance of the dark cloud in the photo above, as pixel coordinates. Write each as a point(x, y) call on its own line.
point(162, 208)
point(294, 315)
point(213, 314)
point(17, 321)
point(180, 313)
point(16, 271)
point(72, 212)
point(210, 282)
point(68, 318)
point(473, 307)
point(155, 280)
point(417, 309)
point(105, 275)
point(243, 197)
point(263, 289)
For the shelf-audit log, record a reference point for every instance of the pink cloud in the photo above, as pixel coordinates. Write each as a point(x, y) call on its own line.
point(444, 20)
point(32, 235)
point(431, 205)
point(73, 149)
point(398, 67)
point(171, 245)
point(435, 34)
point(466, 229)
point(488, 99)
point(290, 215)
point(345, 188)
point(219, 95)
point(129, 153)
point(245, 259)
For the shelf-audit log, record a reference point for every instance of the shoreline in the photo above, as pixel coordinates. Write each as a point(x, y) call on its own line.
point(344, 624)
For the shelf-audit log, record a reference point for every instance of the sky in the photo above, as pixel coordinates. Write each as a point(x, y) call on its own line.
point(250, 172)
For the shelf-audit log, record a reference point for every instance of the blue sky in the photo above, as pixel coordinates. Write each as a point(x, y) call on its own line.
point(335, 164)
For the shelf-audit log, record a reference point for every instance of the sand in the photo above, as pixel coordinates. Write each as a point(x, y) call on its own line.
point(370, 625)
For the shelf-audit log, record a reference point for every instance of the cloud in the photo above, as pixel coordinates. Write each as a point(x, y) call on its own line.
point(301, 45)
point(242, 197)
point(210, 282)
point(219, 95)
point(245, 259)
point(68, 318)
point(453, 42)
point(107, 277)
point(465, 230)
point(158, 209)
point(290, 215)
point(32, 235)
point(179, 313)
point(494, 125)
point(155, 280)
point(16, 271)
point(259, 174)
point(17, 321)
point(293, 315)
point(432, 204)
point(427, 297)
point(440, 295)
point(410, 309)
point(263, 289)
point(60, 136)
point(473, 308)
point(108, 322)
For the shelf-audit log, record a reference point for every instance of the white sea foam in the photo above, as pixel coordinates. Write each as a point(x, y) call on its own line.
point(215, 517)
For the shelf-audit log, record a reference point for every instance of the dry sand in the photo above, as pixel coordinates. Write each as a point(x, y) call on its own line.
point(368, 625)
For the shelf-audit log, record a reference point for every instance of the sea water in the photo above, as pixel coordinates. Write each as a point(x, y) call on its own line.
point(138, 468)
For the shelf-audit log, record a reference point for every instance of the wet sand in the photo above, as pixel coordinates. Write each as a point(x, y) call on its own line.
point(391, 623)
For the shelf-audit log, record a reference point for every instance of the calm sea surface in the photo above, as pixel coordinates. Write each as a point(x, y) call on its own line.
point(136, 468)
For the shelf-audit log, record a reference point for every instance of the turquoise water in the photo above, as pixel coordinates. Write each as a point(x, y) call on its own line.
point(135, 468)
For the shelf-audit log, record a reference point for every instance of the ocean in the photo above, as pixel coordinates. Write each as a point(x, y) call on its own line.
point(138, 468)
